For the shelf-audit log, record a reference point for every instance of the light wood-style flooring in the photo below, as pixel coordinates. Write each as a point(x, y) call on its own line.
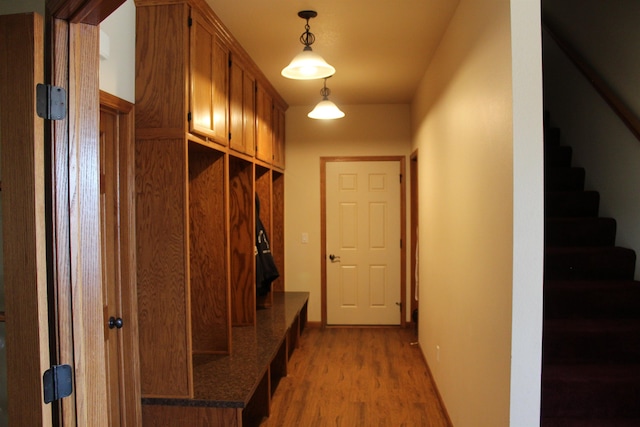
point(357, 377)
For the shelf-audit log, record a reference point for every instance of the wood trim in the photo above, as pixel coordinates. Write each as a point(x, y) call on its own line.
point(24, 232)
point(90, 12)
point(413, 229)
point(323, 230)
point(625, 113)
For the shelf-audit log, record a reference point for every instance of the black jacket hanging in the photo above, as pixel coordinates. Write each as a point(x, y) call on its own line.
point(266, 270)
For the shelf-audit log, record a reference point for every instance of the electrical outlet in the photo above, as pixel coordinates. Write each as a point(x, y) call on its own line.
point(305, 238)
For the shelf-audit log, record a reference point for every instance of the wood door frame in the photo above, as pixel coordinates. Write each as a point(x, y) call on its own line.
point(73, 46)
point(130, 371)
point(413, 229)
point(323, 229)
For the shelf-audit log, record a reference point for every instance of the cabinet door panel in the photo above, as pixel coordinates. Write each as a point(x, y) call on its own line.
point(209, 77)
point(264, 140)
point(242, 106)
point(278, 136)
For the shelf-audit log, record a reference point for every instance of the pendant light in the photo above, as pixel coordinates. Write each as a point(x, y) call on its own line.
point(325, 109)
point(307, 65)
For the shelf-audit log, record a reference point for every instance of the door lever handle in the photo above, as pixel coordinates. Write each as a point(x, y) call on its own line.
point(334, 258)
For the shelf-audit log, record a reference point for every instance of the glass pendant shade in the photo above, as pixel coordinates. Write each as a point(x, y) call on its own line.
point(308, 65)
point(326, 110)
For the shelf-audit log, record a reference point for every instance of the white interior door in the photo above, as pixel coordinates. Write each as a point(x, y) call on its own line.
point(363, 242)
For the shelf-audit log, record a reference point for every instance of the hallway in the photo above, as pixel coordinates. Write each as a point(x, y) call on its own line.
point(356, 377)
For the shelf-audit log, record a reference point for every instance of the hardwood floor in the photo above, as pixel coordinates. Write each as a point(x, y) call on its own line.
point(357, 377)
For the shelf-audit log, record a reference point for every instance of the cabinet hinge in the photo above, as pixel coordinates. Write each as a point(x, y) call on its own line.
point(190, 21)
point(189, 116)
point(400, 178)
point(57, 382)
point(51, 102)
point(229, 136)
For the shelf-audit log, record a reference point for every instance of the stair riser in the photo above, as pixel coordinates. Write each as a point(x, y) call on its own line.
point(580, 232)
point(618, 301)
point(603, 346)
point(571, 204)
point(603, 264)
point(559, 156)
point(564, 179)
point(590, 398)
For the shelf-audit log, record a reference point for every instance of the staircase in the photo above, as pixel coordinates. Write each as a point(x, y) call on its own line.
point(591, 334)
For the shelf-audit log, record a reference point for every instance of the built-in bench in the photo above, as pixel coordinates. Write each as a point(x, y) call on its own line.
point(236, 389)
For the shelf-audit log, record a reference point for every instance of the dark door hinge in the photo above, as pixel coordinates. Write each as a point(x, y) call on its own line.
point(51, 102)
point(189, 116)
point(190, 21)
point(58, 383)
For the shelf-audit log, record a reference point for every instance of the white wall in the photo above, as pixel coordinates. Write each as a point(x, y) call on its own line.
point(117, 37)
point(477, 122)
point(608, 36)
point(367, 130)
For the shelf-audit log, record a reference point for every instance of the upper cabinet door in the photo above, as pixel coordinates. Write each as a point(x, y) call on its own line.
point(242, 109)
point(278, 136)
point(209, 60)
point(264, 140)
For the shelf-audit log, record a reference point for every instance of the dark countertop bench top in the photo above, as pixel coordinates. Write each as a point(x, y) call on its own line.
point(230, 380)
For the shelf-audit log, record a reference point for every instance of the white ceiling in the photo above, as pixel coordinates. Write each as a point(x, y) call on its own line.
point(380, 48)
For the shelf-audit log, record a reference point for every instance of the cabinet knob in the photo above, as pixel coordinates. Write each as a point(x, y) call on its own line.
point(115, 323)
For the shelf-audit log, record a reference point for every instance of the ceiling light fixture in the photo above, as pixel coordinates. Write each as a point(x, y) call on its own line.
point(307, 65)
point(326, 110)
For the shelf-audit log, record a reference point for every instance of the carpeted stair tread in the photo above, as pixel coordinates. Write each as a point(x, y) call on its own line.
point(580, 231)
point(564, 179)
point(558, 204)
point(591, 340)
point(591, 299)
point(591, 390)
point(598, 263)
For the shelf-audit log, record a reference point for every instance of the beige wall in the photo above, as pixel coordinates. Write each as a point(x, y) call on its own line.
point(367, 130)
point(463, 120)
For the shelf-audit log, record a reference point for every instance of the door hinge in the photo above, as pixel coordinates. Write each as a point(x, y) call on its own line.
point(400, 178)
point(190, 21)
point(51, 102)
point(189, 116)
point(58, 383)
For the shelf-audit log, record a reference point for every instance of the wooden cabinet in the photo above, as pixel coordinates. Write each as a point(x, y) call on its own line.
point(242, 108)
point(202, 108)
point(209, 79)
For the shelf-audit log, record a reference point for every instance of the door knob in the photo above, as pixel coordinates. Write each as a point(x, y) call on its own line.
point(115, 323)
point(334, 258)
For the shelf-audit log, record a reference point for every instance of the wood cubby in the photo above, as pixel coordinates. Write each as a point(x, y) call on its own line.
point(209, 139)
